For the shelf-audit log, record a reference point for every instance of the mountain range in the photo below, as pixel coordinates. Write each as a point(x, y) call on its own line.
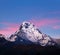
point(28, 36)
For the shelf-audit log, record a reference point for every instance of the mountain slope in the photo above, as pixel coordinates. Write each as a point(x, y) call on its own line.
point(29, 32)
point(28, 40)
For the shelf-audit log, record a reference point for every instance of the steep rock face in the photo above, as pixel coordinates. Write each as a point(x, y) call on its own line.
point(2, 36)
point(29, 32)
point(2, 40)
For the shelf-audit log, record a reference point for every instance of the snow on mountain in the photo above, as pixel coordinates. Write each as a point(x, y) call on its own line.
point(2, 36)
point(2, 40)
point(28, 31)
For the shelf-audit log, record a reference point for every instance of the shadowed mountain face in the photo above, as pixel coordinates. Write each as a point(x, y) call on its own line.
point(28, 40)
point(57, 41)
point(12, 48)
point(29, 32)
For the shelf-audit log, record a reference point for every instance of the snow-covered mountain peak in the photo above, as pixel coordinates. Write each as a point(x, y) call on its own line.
point(30, 32)
point(26, 25)
point(2, 36)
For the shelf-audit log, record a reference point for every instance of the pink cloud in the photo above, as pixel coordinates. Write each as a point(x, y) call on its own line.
point(9, 29)
point(6, 32)
point(56, 27)
point(12, 27)
point(45, 22)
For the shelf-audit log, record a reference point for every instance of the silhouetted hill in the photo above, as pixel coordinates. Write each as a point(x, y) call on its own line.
point(28, 40)
point(12, 48)
point(28, 49)
point(57, 41)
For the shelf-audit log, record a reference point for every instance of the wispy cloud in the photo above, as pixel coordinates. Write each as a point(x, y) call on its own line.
point(12, 27)
point(9, 29)
point(56, 27)
point(46, 22)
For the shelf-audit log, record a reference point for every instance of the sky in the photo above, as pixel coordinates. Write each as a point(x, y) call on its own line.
point(45, 14)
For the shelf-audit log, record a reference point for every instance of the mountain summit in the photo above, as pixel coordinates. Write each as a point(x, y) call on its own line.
point(28, 39)
point(30, 33)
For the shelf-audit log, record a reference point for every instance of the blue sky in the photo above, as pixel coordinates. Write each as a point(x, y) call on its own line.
point(17, 11)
